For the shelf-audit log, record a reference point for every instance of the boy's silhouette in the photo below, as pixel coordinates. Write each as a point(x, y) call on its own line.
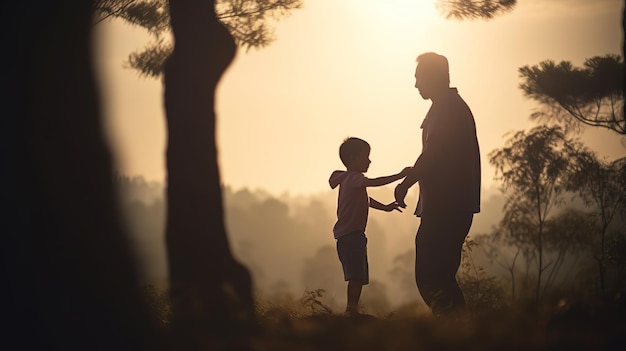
point(352, 210)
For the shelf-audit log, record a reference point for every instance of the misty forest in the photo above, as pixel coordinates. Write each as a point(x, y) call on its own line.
point(94, 259)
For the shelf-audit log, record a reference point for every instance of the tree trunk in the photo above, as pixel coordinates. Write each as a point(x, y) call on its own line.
point(211, 292)
point(69, 280)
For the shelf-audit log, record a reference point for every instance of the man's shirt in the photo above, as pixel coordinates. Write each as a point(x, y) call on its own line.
point(450, 160)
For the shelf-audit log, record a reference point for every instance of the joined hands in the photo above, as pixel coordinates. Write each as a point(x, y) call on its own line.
point(401, 190)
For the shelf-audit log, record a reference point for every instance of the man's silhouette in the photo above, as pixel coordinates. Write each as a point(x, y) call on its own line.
point(448, 172)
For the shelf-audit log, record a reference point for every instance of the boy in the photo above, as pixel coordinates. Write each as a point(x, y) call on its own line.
point(352, 210)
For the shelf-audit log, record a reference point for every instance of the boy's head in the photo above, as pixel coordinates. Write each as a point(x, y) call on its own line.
point(354, 154)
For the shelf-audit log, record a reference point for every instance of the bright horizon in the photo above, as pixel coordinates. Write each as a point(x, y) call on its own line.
point(345, 68)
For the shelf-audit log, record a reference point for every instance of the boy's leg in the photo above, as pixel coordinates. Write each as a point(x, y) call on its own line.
point(354, 294)
point(352, 250)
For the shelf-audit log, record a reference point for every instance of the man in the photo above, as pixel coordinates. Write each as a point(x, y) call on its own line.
point(448, 172)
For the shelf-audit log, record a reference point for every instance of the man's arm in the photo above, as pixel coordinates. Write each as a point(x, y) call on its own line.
point(412, 177)
point(434, 152)
point(436, 149)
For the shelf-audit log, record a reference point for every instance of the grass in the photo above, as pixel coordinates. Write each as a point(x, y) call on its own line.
point(591, 324)
point(523, 327)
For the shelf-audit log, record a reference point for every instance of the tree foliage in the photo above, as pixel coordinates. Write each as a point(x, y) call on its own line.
point(602, 185)
point(569, 236)
point(592, 95)
point(532, 165)
point(534, 168)
point(246, 20)
point(537, 169)
point(151, 15)
point(475, 9)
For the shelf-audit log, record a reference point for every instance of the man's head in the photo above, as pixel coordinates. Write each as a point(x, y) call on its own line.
point(432, 76)
point(354, 154)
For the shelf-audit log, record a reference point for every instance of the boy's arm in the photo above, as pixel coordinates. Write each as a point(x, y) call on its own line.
point(387, 179)
point(387, 208)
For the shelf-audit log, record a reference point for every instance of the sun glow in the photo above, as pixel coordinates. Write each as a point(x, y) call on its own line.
point(402, 12)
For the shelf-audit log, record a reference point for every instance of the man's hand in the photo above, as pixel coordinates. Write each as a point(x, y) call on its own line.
point(406, 171)
point(400, 194)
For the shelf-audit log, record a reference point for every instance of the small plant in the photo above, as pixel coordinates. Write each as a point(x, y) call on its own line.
point(482, 291)
point(311, 300)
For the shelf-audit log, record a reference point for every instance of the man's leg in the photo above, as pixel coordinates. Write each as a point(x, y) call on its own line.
point(438, 247)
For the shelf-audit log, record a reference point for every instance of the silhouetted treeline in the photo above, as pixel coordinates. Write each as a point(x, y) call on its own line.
point(286, 241)
point(287, 244)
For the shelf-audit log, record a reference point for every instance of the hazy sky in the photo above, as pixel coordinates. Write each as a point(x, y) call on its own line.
point(343, 68)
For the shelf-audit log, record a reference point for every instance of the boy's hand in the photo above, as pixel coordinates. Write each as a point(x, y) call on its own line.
point(406, 171)
point(392, 206)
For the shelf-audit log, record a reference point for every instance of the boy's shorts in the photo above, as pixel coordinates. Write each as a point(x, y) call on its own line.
point(352, 251)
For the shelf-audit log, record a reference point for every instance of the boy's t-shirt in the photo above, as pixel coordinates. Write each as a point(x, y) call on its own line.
point(352, 203)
